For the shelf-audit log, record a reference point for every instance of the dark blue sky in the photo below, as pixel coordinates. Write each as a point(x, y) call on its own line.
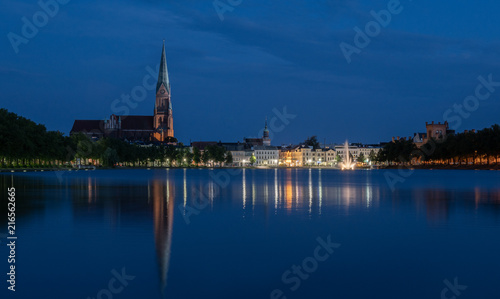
point(227, 76)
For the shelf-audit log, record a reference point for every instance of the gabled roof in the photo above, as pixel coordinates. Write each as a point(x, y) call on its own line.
point(137, 122)
point(87, 126)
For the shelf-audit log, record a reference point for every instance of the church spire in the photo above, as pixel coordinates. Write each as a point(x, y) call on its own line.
point(163, 75)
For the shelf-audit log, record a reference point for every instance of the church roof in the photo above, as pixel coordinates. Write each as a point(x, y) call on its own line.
point(87, 126)
point(129, 122)
point(137, 122)
point(163, 74)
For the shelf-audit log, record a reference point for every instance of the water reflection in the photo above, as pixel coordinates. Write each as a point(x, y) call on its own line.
point(151, 198)
point(253, 194)
point(91, 189)
point(313, 190)
point(288, 190)
point(320, 191)
point(244, 189)
point(437, 204)
point(310, 190)
point(185, 188)
point(276, 188)
point(163, 217)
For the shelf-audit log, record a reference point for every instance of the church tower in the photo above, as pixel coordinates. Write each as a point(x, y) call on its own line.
point(265, 137)
point(163, 119)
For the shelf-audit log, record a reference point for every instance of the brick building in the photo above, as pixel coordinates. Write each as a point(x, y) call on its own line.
point(157, 128)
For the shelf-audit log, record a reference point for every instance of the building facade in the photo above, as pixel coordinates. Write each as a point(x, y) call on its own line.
point(266, 155)
point(295, 156)
point(303, 155)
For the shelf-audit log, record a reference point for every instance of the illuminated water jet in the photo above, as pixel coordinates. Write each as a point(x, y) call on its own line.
point(347, 163)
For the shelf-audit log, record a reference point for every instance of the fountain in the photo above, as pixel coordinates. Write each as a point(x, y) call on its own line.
point(347, 163)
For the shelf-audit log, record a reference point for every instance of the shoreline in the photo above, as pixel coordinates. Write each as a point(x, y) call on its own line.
point(422, 167)
point(446, 167)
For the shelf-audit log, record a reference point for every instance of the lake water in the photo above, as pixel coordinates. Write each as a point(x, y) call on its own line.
point(254, 233)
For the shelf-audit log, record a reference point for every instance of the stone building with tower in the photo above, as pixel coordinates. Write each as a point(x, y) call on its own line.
point(437, 131)
point(158, 128)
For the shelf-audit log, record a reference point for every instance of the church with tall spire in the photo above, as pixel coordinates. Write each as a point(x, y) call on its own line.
point(158, 128)
point(163, 119)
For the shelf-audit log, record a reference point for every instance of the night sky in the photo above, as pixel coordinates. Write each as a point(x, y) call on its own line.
point(228, 75)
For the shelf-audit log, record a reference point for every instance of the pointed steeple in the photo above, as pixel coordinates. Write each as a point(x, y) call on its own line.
point(163, 75)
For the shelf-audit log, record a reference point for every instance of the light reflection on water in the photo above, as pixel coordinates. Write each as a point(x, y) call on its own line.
point(128, 198)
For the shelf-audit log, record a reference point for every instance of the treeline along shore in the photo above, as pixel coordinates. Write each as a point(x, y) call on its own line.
point(26, 144)
point(468, 150)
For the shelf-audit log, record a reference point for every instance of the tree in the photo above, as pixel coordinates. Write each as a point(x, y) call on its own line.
point(83, 147)
point(496, 141)
point(216, 153)
point(312, 141)
point(229, 158)
point(253, 159)
point(361, 158)
point(188, 157)
point(205, 157)
point(196, 156)
point(170, 154)
point(110, 157)
point(170, 139)
point(400, 151)
point(338, 158)
point(180, 156)
point(372, 156)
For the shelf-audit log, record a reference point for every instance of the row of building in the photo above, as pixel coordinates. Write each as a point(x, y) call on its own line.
point(291, 155)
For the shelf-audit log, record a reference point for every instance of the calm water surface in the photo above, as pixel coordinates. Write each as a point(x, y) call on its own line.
point(191, 233)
